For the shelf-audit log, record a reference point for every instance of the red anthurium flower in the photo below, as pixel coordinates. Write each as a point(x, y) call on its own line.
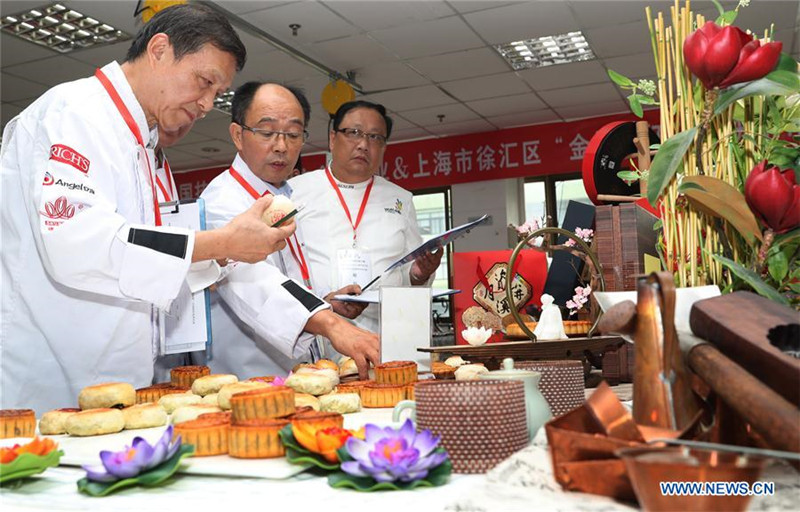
point(774, 197)
point(726, 56)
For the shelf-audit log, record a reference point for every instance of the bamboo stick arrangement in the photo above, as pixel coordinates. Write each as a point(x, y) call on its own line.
point(690, 236)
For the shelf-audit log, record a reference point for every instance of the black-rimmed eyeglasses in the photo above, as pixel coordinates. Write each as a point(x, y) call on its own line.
point(355, 134)
point(294, 137)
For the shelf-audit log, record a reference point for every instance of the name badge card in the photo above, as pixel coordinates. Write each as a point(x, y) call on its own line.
point(353, 267)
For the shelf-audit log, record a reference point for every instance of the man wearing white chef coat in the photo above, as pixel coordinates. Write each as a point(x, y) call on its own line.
point(357, 223)
point(85, 261)
point(265, 316)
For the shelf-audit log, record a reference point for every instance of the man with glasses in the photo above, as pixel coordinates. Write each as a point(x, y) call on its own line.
point(265, 315)
point(86, 261)
point(357, 223)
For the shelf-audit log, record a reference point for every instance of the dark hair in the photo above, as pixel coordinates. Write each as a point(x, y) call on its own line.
point(350, 105)
point(243, 98)
point(189, 27)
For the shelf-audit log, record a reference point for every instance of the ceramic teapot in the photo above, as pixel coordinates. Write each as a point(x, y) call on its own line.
point(538, 411)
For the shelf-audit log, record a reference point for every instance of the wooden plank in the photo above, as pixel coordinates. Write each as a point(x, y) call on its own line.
point(739, 324)
point(494, 353)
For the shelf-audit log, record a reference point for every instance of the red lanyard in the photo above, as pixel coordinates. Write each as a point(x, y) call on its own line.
point(134, 128)
point(297, 254)
point(164, 190)
point(344, 204)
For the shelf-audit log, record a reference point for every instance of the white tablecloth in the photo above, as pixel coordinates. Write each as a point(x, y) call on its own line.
point(523, 482)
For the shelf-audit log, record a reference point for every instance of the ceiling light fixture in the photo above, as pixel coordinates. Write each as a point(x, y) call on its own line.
point(546, 51)
point(61, 28)
point(223, 102)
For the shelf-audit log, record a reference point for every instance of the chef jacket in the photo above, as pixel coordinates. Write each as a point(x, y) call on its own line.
point(83, 264)
point(259, 310)
point(388, 230)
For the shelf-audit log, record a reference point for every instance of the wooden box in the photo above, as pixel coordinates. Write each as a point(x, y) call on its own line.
point(624, 234)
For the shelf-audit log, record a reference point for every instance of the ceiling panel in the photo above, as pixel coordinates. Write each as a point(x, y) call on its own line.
point(388, 75)
point(51, 71)
point(524, 118)
point(474, 126)
point(425, 38)
point(8, 112)
point(338, 53)
point(407, 99)
point(245, 6)
point(522, 21)
point(14, 50)
point(491, 86)
point(477, 5)
point(507, 105)
point(410, 134)
point(16, 89)
point(565, 75)
point(466, 64)
point(428, 117)
point(615, 40)
point(380, 14)
point(592, 109)
point(317, 23)
point(581, 95)
point(633, 66)
point(99, 57)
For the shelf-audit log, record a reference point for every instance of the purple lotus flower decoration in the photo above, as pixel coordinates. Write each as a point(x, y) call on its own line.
point(134, 459)
point(389, 454)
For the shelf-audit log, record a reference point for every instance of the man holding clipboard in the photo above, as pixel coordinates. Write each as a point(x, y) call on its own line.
point(265, 314)
point(357, 223)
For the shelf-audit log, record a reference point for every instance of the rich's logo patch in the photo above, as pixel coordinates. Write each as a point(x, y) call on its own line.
point(69, 156)
point(398, 207)
point(59, 209)
point(48, 179)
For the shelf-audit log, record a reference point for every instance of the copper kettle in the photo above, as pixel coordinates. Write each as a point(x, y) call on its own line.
point(662, 392)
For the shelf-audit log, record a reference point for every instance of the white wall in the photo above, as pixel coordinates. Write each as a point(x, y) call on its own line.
point(502, 199)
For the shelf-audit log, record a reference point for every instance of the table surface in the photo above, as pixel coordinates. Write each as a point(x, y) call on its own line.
point(519, 483)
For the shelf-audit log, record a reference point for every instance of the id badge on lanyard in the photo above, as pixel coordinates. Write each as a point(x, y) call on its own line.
point(353, 266)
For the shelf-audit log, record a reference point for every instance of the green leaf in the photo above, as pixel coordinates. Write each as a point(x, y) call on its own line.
point(719, 7)
point(666, 163)
point(628, 175)
point(28, 464)
point(778, 266)
point(717, 198)
point(786, 238)
point(297, 454)
point(752, 279)
point(156, 476)
point(436, 477)
point(622, 81)
point(779, 82)
point(636, 105)
point(726, 18)
point(786, 63)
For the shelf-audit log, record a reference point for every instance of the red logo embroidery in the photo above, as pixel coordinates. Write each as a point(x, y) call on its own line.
point(69, 156)
point(48, 179)
point(59, 209)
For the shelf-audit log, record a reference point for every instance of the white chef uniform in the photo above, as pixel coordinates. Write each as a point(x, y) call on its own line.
point(388, 230)
point(259, 310)
point(83, 264)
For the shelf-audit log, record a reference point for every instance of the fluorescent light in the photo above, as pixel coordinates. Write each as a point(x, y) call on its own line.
point(546, 51)
point(61, 29)
point(223, 102)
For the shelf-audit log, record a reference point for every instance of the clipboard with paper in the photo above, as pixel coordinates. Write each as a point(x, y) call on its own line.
point(430, 246)
point(186, 327)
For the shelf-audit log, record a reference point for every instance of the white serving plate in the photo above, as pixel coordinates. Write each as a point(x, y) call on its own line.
point(86, 450)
